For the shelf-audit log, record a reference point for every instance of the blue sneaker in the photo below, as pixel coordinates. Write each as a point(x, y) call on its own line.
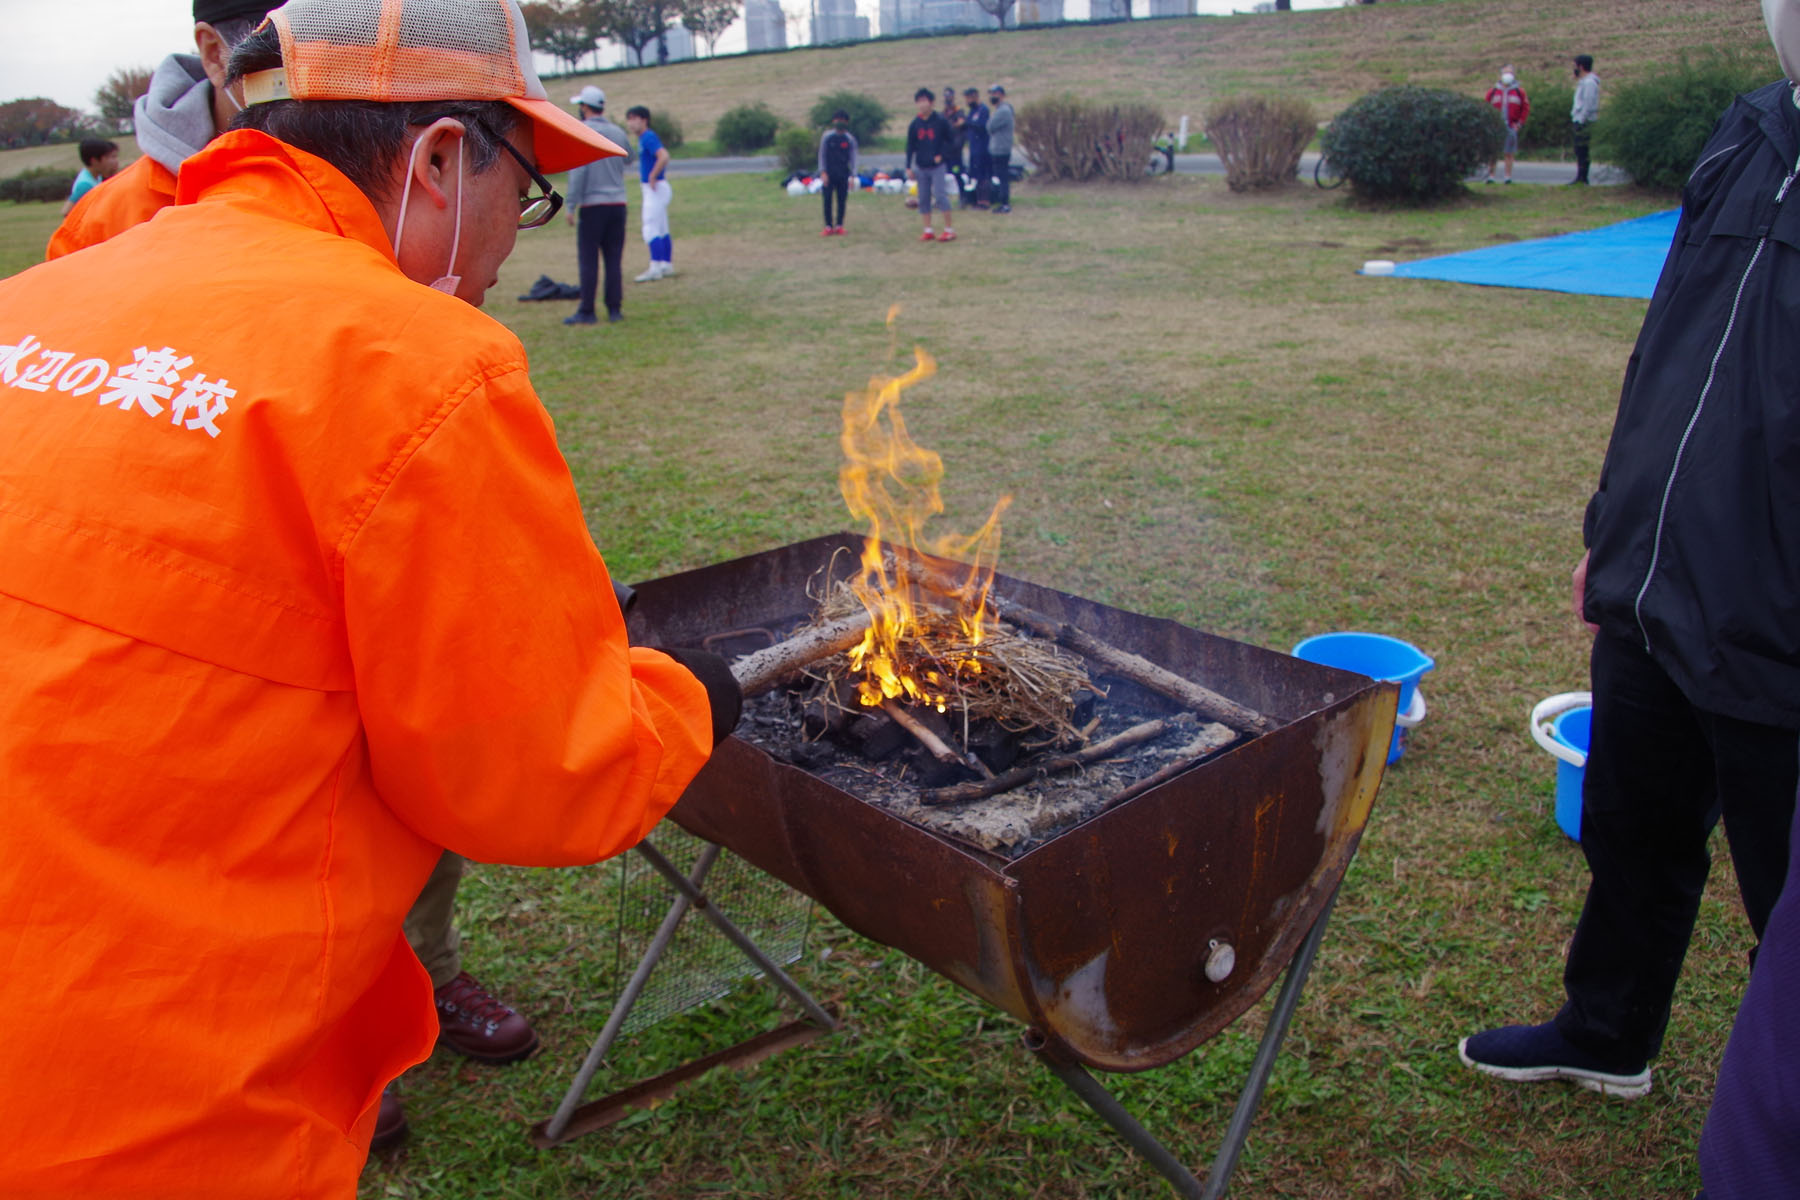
point(581, 318)
point(1529, 1053)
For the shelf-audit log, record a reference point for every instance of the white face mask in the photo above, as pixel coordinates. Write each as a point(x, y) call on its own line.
point(1783, 20)
point(1507, 79)
point(449, 281)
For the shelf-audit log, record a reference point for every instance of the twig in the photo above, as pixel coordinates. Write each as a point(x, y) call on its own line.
point(1020, 776)
point(759, 671)
point(939, 748)
point(1212, 737)
point(1204, 701)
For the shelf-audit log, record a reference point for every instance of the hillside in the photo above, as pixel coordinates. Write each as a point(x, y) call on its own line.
point(1329, 55)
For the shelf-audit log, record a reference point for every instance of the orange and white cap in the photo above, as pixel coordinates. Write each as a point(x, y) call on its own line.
point(412, 51)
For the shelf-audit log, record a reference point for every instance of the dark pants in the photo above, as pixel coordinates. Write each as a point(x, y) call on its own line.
point(1581, 135)
point(600, 234)
point(1003, 172)
point(838, 186)
point(981, 166)
point(1660, 772)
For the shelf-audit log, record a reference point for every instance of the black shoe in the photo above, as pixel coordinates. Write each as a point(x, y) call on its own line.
point(613, 318)
point(1529, 1053)
point(580, 318)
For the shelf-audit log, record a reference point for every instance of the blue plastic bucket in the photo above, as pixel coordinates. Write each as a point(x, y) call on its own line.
point(1571, 729)
point(1378, 657)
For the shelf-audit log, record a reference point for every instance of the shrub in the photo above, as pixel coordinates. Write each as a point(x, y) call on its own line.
point(746, 128)
point(668, 128)
point(868, 116)
point(1656, 128)
point(1259, 139)
point(1412, 144)
point(1067, 138)
point(39, 183)
point(1546, 130)
point(799, 150)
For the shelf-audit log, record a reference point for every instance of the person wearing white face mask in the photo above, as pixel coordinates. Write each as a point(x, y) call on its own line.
point(1691, 586)
point(1509, 99)
point(297, 602)
point(186, 107)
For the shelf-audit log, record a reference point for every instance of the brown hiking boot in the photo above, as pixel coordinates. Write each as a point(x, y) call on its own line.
point(390, 1121)
point(474, 1022)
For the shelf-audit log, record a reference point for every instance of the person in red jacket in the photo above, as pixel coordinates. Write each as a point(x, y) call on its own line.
point(1508, 98)
point(296, 593)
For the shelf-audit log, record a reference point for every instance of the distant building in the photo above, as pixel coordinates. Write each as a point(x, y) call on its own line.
point(1109, 10)
point(1171, 8)
point(1038, 12)
point(765, 25)
point(836, 21)
point(915, 16)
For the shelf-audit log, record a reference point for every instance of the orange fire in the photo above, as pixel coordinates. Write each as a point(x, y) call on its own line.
point(891, 482)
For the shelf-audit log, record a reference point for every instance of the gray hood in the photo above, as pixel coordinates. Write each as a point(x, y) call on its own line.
point(175, 117)
point(1783, 19)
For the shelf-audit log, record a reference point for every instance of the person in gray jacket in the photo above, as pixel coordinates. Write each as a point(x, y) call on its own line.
point(1000, 145)
point(597, 210)
point(1583, 111)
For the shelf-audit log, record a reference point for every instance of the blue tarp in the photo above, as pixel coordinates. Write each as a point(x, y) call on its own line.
point(1614, 260)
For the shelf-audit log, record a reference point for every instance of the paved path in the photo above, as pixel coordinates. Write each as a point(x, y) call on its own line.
point(1186, 164)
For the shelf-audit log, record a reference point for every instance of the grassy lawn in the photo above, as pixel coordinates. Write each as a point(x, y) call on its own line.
point(1203, 413)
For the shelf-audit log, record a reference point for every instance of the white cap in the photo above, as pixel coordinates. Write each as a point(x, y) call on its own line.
point(591, 96)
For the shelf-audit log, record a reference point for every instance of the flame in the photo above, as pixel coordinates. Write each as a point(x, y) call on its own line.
point(891, 482)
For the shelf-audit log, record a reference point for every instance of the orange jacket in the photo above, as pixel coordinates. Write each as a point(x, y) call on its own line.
point(295, 590)
point(129, 198)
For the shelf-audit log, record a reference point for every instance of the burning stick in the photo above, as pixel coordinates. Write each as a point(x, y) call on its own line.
point(1204, 701)
point(939, 748)
point(759, 671)
point(1019, 776)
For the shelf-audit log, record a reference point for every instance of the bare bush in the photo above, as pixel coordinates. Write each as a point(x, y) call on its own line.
point(1071, 139)
point(1260, 139)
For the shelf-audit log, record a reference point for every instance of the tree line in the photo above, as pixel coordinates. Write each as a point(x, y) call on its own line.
point(571, 30)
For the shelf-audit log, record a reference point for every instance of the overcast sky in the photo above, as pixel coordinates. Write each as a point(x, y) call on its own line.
point(66, 50)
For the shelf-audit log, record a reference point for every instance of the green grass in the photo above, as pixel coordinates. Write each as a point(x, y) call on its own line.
point(1203, 413)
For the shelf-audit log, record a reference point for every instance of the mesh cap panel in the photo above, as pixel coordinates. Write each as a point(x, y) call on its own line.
point(401, 50)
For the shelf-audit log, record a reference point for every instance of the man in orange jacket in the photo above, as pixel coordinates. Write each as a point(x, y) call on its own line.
point(187, 105)
point(185, 108)
point(253, 681)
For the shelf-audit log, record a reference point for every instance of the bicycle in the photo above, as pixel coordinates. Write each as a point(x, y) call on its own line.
point(1325, 175)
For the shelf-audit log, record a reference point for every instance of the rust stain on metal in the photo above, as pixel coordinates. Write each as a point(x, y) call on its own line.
point(1099, 937)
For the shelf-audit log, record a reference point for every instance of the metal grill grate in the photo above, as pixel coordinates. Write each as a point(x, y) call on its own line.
point(700, 965)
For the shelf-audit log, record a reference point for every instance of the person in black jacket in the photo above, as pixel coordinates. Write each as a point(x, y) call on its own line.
point(837, 167)
point(928, 140)
point(1691, 583)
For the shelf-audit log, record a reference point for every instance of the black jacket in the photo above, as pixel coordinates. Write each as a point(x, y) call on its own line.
point(928, 141)
point(1694, 531)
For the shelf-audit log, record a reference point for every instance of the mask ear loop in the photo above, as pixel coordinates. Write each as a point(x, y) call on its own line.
point(447, 283)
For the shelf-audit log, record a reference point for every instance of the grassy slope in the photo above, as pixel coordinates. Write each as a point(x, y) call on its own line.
point(1329, 55)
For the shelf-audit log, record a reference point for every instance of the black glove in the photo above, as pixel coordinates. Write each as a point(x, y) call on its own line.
point(723, 694)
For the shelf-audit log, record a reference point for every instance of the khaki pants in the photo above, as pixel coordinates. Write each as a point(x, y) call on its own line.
point(431, 927)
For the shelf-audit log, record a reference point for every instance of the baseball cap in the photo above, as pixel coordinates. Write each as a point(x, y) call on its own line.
point(413, 51)
point(214, 11)
point(591, 96)
point(996, 88)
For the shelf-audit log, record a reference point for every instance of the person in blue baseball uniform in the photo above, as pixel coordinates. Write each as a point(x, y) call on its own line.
point(653, 166)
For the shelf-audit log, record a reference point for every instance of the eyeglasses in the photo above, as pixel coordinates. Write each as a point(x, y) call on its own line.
point(534, 211)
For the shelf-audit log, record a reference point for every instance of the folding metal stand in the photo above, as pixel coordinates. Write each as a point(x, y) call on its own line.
point(573, 1118)
point(1218, 1178)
